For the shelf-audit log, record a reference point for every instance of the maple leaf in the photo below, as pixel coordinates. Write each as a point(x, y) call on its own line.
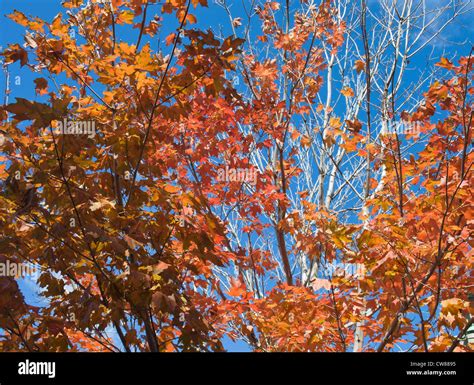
point(19, 17)
point(237, 289)
point(170, 39)
point(41, 86)
point(266, 70)
point(354, 125)
point(445, 63)
point(14, 53)
point(359, 66)
point(335, 122)
point(306, 141)
point(126, 17)
point(347, 92)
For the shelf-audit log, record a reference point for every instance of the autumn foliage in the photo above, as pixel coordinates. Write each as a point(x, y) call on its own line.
point(165, 228)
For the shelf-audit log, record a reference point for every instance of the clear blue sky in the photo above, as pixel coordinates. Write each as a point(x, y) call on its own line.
point(214, 17)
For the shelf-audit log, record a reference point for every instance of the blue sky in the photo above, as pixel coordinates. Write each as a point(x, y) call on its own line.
point(454, 41)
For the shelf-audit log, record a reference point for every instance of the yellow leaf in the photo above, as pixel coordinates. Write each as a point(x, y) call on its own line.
point(335, 123)
point(19, 18)
point(453, 305)
point(445, 63)
point(57, 28)
point(126, 17)
point(171, 189)
point(191, 19)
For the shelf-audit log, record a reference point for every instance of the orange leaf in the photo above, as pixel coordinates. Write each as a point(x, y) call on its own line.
point(126, 17)
point(335, 123)
point(191, 19)
point(445, 63)
point(171, 189)
point(19, 18)
point(236, 290)
point(170, 39)
point(359, 65)
point(347, 92)
point(305, 141)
